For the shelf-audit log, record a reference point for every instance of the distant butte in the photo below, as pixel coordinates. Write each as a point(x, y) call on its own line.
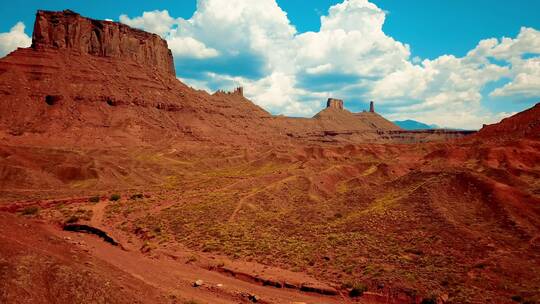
point(69, 30)
point(334, 103)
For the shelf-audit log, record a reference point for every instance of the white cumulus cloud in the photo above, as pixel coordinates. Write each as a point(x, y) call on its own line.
point(190, 47)
point(527, 42)
point(157, 22)
point(227, 43)
point(525, 82)
point(14, 39)
point(352, 40)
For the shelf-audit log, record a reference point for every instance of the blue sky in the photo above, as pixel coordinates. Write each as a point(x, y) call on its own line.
point(429, 26)
point(403, 84)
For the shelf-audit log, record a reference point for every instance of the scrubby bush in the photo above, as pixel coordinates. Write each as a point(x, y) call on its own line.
point(137, 196)
point(115, 197)
point(517, 298)
point(31, 210)
point(191, 259)
point(358, 290)
point(72, 219)
point(429, 300)
point(94, 199)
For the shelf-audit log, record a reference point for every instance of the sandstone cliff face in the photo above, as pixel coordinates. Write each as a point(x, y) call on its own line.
point(85, 81)
point(523, 124)
point(334, 103)
point(69, 30)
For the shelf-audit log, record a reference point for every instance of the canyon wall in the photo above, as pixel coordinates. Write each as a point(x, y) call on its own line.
point(69, 30)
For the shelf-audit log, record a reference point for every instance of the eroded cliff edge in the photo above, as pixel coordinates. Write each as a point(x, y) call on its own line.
point(69, 30)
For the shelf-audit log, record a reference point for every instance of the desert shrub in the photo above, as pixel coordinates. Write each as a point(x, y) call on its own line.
point(52, 99)
point(72, 219)
point(430, 300)
point(94, 199)
point(115, 197)
point(414, 251)
point(517, 298)
point(83, 214)
point(191, 259)
point(31, 210)
point(358, 290)
point(349, 269)
point(147, 247)
point(137, 196)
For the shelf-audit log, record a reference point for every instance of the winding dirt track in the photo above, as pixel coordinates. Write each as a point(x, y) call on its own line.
point(171, 276)
point(97, 214)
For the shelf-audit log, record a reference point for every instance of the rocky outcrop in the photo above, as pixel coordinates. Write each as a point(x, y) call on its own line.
point(69, 30)
point(87, 81)
point(239, 91)
point(335, 118)
point(334, 103)
point(523, 124)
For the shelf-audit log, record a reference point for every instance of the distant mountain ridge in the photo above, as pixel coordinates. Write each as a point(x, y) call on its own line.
point(410, 124)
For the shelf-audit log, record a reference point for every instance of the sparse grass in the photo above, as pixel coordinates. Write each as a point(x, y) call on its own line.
point(370, 170)
point(341, 187)
point(70, 215)
point(191, 259)
point(372, 232)
point(373, 270)
point(147, 247)
point(83, 214)
point(349, 269)
point(381, 205)
point(29, 211)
